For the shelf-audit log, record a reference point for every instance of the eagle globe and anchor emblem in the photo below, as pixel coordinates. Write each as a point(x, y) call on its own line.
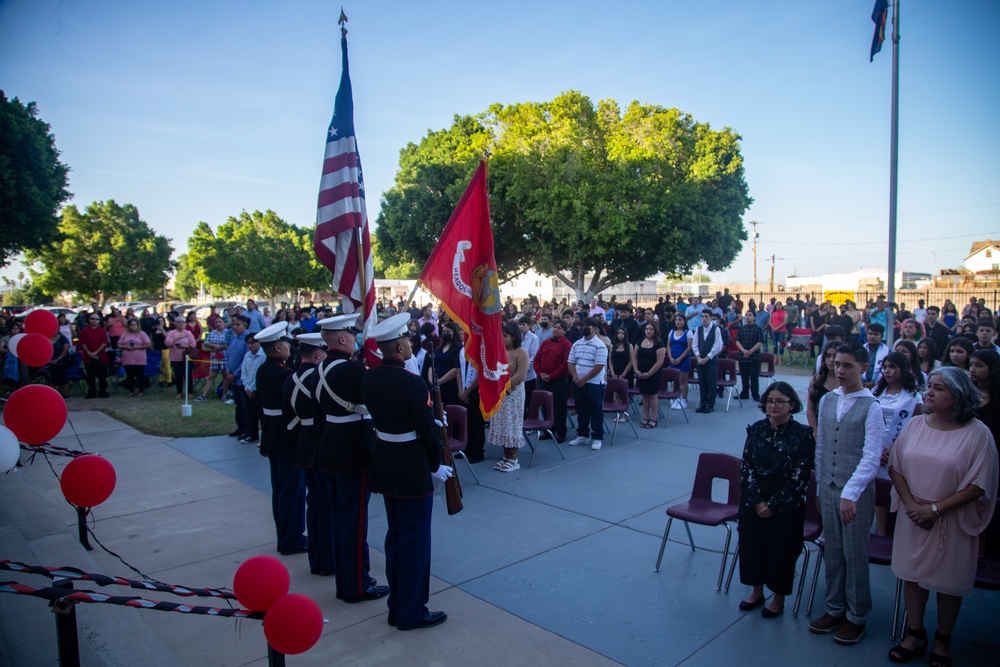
point(485, 294)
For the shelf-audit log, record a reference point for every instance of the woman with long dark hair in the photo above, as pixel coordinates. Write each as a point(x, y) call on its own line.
point(620, 359)
point(909, 350)
point(774, 476)
point(505, 427)
point(679, 345)
point(958, 353)
point(899, 398)
point(822, 383)
point(927, 353)
point(446, 364)
point(647, 359)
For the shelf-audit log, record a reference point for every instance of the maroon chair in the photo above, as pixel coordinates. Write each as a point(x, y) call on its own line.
point(726, 381)
point(458, 434)
point(767, 366)
point(541, 418)
point(735, 355)
point(616, 402)
point(671, 377)
point(704, 511)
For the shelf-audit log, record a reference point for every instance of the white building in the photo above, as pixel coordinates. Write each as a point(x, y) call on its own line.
point(863, 280)
point(549, 288)
point(984, 257)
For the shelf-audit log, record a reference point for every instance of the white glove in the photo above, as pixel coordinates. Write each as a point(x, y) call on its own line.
point(443, 421)
point(443, 473)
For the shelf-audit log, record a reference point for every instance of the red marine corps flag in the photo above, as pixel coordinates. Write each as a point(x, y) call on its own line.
point(462, 273)
point(342, 241)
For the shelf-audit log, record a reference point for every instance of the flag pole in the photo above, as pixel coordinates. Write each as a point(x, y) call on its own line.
point(893, 176)
point(362, 284)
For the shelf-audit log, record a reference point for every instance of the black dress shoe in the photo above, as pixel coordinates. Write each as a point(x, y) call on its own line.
point(373, 593)
point(707, 410)
point(322, 573)
point(770, 613)
point(545, 436)
point(476, 459)
point(432, 619)
point(236, 434)
point(744, 397)
point(749, 606)
point(700, 408)
point(292, 552)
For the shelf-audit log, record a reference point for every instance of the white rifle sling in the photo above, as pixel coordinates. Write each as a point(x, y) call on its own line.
point(299, 387)
point(356, 408)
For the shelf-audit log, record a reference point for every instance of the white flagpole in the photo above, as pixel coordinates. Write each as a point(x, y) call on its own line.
point(893, 176)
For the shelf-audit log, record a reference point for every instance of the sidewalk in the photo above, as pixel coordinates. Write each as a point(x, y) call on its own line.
point(551, 565)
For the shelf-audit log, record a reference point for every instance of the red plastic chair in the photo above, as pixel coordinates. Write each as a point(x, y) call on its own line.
point(458, 434)
point(704, 511)
point(767, 366)
point(726, 380)
point(541, 404)
point(616, 401)
point(671, 377)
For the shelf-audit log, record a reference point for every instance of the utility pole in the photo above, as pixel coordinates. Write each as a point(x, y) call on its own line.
point(755, 236)
point(772, 273)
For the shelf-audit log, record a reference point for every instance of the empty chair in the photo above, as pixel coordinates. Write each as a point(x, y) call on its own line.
point(767, 366)
point(540, 419)
point(798, 345)
point(458, 434)
point(704, 511)
point(616, 402)
point(670, 391)
point(152, 370)
point(727, 380)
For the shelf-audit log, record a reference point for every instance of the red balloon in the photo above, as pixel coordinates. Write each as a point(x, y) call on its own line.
point(35, 413)
point(35, 350)
point(259, 581)
point(293, 624)
point(88, 480)
point(41, 322)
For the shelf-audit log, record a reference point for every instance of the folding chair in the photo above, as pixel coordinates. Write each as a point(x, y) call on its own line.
point(704, 511)
point(200, 369)
point(798, 344)
point(671, 377)
point(541, 418)
point(152, 369)
point(726, 380)
point(458, 434)
point(616, 402)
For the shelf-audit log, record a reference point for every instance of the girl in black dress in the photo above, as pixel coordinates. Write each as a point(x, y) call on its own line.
point(774, 477)
point(647, 359)
point(620, 365)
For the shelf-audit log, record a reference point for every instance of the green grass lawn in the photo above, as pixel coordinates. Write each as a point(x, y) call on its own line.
point(159, 412)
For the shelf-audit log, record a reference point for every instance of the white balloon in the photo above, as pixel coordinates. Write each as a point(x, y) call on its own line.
point(12, 343)
point(10, 450)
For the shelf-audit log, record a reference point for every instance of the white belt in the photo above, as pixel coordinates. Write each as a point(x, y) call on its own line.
point(396, 437)
point(307, 421)
point(337, 419)
point(271, 412)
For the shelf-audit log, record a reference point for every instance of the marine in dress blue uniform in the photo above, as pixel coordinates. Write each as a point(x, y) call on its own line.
point(288, 491)
point(345, 449)
point(299, 407)
point(406, 454)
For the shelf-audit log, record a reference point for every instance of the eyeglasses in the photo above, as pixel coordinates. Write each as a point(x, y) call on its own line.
point(777, 401)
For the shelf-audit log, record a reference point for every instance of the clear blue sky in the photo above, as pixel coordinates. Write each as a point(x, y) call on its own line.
point(195, 111)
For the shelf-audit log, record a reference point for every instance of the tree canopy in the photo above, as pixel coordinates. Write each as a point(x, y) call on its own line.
point(586, 193)
point(32, 179)
point(105, 251)
point(258, 253)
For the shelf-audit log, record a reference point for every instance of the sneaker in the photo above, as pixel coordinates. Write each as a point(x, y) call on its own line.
point(676, 405)
point(596, 445)
point(826, 624)
point(684, 403)
point(230, 402)
point(849, 633)
point(579, 440)
point(200, 399)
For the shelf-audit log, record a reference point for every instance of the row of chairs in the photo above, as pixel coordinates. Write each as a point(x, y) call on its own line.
point(702, 510)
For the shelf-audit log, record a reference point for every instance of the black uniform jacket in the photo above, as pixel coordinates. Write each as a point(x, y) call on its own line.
point(303, 439)
point(270, 380)
point(344, 447)
point(399, 402)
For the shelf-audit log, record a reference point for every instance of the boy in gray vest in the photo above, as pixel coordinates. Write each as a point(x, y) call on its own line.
point(848, 447)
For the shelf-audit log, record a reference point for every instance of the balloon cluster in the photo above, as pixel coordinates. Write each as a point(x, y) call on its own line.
point(293, 623)
point(36, 413)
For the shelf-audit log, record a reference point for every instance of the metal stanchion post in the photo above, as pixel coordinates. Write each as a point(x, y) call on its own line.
point(274, 658)
point(186, 408)
point(81, 525)
point(66, 635)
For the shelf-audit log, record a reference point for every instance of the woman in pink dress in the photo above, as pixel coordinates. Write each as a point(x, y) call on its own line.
point(944, 475)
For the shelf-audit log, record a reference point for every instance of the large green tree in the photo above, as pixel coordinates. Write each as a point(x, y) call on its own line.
point(590, 194)
point(32, 179)
point(186, 281)
point(106, 251)
point(256, 253)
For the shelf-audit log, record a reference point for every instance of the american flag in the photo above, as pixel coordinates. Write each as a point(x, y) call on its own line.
point(341, 215)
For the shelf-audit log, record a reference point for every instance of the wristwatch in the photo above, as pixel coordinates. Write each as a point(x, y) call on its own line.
point(935, 509)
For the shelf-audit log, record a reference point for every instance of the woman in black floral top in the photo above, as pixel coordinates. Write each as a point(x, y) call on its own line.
point(774, 477)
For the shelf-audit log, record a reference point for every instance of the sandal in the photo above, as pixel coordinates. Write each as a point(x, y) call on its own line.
point(644, 423)
point(936, 659)
point(651, 423)
point(900, 653)
point(509, 465)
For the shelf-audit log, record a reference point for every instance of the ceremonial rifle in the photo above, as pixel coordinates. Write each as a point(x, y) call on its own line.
point(452, 487)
